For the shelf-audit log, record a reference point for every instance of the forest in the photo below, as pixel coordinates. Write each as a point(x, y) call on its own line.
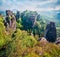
point(28, 34)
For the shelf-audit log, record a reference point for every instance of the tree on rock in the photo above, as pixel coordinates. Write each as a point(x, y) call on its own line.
point(28, 19)
point(17, 15)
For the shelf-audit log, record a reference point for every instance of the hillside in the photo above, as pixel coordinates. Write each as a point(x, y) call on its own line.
point(22, 35)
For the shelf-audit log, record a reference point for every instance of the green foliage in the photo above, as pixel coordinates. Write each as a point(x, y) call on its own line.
point(28, 19)
point(47, 55)
point(58, 31)
point(22, 47)
point(21, 44)
point(37, 29)
point(21, 41)
point(32, 55)
point(26, 40)
point(1, 19)
point(18, 23)
point(4, 38)
point(32, 23)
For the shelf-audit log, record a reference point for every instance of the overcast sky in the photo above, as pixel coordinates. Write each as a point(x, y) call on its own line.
point(34, 5)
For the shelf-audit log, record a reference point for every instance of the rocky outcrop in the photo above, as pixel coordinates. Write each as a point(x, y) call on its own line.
point(58, 41)
point(10, 21)
point(50, 32)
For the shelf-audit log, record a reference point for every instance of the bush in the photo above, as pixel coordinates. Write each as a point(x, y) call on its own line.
point(58, 31)
point(4, 37)
point(1, 19)
point(32, 55)
point(21, 42)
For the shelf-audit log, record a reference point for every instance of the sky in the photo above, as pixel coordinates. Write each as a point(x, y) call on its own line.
point(34, 5)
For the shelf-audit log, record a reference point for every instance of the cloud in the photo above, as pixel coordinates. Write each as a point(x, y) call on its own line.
point(35, 5)
point(58, 2)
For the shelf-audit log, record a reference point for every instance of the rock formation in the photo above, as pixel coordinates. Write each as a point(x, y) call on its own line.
point(10, 20)
point(50, 32)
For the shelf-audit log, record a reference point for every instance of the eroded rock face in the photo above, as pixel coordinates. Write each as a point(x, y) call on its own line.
point(43, 41)
point(13, 23)
point(50, 32)
point(58, 41)
point(10, 20)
